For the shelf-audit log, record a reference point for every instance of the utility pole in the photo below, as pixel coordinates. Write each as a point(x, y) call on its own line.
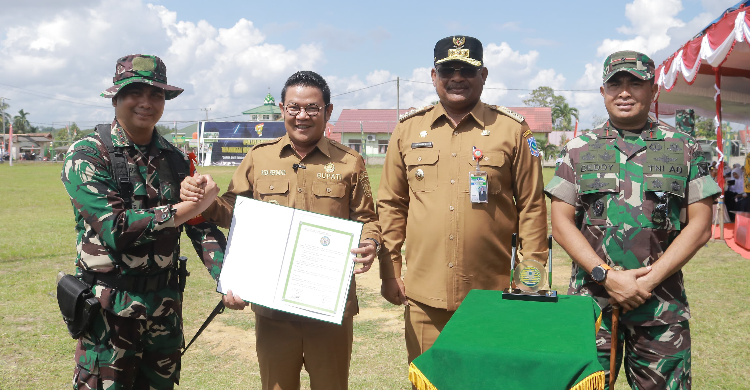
point(206, 110)
point(364, 142)
point(398, 110)
point(2, 120)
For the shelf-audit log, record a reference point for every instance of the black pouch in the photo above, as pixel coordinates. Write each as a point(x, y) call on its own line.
point(77, 304)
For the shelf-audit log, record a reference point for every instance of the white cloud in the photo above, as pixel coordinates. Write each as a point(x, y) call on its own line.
point(650, 19)
point(502, 59)
point(549, 78)
point(225, 69)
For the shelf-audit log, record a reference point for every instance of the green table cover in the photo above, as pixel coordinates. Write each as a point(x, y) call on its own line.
point(493, 343)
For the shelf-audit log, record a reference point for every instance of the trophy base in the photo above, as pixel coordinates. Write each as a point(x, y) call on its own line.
point(539, 296)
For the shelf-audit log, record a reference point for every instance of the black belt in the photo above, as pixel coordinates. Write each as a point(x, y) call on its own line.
point(134, 284)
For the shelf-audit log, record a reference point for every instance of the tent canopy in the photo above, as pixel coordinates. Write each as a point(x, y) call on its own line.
point(687, 78)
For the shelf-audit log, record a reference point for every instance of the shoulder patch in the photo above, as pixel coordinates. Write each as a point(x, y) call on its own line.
point(414, 112)
point(343, 147)
point(506, 111)
point(526, 133)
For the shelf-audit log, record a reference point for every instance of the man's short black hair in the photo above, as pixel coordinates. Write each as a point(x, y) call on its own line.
point(307, 78)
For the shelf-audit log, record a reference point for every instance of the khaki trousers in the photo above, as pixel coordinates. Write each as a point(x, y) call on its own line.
point(423, 325)
point(283, 347)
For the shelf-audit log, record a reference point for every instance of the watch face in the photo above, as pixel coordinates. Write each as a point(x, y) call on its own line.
point(598, 274)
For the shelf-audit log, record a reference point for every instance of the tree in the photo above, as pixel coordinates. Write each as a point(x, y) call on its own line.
point(543, 97)
point(706, 128)
point(547, 148)
point(562, 115)
point(21, 123)
point(597, 120)
point(7, 120)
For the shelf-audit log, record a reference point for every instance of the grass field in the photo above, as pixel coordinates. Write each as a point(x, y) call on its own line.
point(37, 241)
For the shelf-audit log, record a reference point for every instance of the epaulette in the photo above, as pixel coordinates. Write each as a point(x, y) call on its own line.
point(505, 111)
point(414, 112)
point(343, 147)
point(268, 142)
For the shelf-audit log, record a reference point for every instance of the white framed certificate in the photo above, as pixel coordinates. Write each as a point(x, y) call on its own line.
point(290, 260)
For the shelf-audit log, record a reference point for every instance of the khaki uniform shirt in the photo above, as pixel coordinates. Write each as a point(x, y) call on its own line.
point(333, 182)
point(455, 245)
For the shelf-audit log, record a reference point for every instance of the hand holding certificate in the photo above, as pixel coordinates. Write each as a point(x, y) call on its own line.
point(289, 259)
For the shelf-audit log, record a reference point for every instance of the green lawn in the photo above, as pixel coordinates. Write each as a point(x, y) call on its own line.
point(37, 241)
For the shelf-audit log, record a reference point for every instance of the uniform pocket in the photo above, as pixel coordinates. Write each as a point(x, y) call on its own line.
point(492, 163)
point(662, 198)
point(596, 205)
point(330, 198)
point(421, 169)
point(274, 191)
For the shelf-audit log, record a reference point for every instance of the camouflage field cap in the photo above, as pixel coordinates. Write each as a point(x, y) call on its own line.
point(459, 48)
point(141, 68)
point(633, 62)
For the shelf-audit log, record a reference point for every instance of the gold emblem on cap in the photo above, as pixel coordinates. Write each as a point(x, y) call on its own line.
point(329, 168)
point(459, 41)
point(419, 174)
point(423, 133)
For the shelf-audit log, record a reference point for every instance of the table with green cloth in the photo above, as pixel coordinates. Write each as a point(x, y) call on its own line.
point(496, 343)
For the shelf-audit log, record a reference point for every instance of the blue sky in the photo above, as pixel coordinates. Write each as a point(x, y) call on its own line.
point(57, 56)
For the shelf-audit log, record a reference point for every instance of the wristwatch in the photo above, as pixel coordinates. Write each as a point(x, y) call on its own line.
point(377, 244)
point(599, 273)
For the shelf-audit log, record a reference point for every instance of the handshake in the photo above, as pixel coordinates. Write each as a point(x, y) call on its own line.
point(201, 189)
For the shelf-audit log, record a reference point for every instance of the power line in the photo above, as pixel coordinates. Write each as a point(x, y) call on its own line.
point(360, 89)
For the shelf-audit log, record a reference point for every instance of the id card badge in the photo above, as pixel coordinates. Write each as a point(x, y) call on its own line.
point(478, 186)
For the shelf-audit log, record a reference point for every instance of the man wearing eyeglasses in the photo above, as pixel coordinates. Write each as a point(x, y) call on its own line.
point(631, 204)
point(304, 170)
point(460, 177)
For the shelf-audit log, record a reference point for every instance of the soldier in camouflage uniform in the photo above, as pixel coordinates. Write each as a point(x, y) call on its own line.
point(622, 195)
point(685, 121)
point(129, 253)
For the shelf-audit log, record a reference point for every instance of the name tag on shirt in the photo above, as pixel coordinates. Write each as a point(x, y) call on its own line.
point(417, 145)
point(478, 186)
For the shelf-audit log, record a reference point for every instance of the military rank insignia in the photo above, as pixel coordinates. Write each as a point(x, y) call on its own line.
point(533, 146)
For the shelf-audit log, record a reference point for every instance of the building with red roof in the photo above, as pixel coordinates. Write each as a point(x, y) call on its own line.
point(373, 127)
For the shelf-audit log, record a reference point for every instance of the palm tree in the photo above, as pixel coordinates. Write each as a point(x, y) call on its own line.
point(21, 122)
point(563, 113)
point(547, 148)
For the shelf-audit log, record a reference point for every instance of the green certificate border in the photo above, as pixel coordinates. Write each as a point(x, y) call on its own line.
point(291, 264)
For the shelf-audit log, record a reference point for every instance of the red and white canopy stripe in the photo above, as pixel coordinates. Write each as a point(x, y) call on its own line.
point(687, 79)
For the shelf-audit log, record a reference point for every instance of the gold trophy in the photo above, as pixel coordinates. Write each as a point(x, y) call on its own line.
point(529, 277)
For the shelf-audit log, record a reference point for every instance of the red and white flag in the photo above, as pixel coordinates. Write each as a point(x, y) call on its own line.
point(575, 132)
point(719, 146)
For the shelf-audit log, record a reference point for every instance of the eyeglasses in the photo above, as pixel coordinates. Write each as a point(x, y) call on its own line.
point(447, 72)
point(311, 109)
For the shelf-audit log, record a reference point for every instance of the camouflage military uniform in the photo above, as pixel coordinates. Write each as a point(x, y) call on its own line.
point(685, 121)
point(136, 340)
point(631, 193)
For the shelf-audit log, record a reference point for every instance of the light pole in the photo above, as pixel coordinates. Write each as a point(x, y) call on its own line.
point(2, 121)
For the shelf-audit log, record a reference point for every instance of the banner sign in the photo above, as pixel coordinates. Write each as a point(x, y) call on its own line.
point(234, 139)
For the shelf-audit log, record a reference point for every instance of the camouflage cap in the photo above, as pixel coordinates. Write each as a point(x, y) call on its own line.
point(633, 62)
point(459, 48)
point(141, 68)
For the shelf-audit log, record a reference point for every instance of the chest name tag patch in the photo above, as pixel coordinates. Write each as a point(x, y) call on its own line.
point(417, 145)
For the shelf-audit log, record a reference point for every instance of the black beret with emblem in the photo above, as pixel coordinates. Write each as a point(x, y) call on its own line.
point(459, 48)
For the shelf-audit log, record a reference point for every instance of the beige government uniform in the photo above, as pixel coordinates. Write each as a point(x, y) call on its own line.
point(331, 180)
point(453, 245)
